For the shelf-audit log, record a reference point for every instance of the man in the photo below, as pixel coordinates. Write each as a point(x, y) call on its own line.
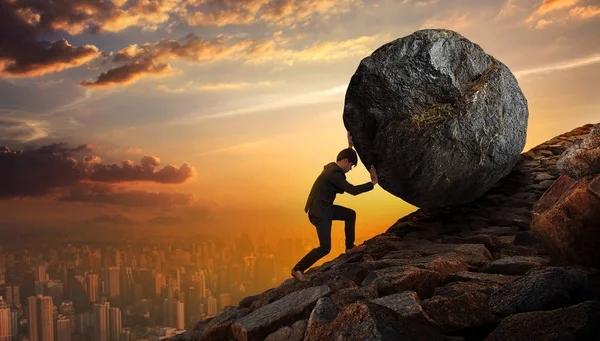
point(321, 210)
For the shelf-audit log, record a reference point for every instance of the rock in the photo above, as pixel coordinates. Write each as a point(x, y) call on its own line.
point(584, 159)
point(515, 265)
point(217, 328)
point(320, 318)
point(363, 321)
point(443, 258)
point(405, 304)
point(542, 289)
point(578, 322)
point(491, 242)
point(511, 218)
point(401, 278)
point(500, 230)
point(594, 187)
point(267, 319)
point(525, 238)
point(566, 220)
point(467, 276)
point(441, 120)
point(293, 333)
point(351, 295)
point(461, 305)
point(478, 224)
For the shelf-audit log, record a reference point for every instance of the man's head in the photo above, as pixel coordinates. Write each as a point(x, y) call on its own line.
point(347, 159)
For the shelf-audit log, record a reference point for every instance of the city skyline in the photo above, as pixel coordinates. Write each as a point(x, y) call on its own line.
point(121, 290)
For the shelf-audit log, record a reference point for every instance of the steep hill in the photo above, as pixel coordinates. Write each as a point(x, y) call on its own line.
point(472, 271)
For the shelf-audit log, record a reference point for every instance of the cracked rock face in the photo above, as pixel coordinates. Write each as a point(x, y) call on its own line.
point(441, 120)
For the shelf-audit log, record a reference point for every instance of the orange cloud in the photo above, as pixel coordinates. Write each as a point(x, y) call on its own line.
point(543, 23)
point(553, 5)
point(221, 18)
point(586, 12)
point(280, 12)
point(561, 17)
point(270, 51)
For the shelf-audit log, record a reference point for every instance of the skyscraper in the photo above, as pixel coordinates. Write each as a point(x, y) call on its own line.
point(112, 281)
point(63, 329)
point(39, 272)
point(13, 298)
point(55, 290)
point(41, 326)
point(202, 283)
point(92, 287)
point(116, 324)
point(14, 323)
point(160, 281)
point(212, 306)
point(179, 318)
point(174, 313)
point(101, 322)
point(5, 325)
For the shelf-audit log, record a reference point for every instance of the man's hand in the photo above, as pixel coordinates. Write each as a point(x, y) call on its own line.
point(373, 175)
point(350, 144)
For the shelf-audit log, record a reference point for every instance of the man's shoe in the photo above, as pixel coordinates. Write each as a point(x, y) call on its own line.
point(355, 249)
point(300, 276)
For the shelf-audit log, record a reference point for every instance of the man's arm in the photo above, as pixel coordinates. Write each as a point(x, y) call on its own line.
point(340, 182)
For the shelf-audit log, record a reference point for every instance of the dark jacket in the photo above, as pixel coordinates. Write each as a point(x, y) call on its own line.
point(331, 181)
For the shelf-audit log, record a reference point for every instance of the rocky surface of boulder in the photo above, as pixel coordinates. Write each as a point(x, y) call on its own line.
point(441, 120)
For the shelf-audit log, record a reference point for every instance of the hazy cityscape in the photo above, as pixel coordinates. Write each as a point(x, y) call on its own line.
point(149, 289)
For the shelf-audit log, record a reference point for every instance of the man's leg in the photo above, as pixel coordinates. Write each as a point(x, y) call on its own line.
point(349, 218)
point(324, 233)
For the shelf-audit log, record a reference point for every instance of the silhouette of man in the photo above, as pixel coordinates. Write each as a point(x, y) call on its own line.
point(321, 210)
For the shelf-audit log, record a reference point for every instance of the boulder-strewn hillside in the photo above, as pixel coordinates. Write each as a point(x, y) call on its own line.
point(473, 272)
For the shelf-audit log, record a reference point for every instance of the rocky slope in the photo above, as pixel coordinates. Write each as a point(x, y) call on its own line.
point(473, 272)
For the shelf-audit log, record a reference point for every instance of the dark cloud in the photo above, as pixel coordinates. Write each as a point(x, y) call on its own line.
point(21, 130)
point(137, 61)
point(23, 54)
point(107, 194)
point(37, 171)
point(128, 73)
point(117, 219)
point(129, 171)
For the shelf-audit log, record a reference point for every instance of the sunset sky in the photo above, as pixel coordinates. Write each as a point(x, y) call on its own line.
point(227, 110)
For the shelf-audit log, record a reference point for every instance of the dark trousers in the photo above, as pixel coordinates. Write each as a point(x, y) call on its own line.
point(323, 226)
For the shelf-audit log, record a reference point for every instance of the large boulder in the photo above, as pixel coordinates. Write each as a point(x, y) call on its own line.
point(441, 120)
point(566, 219)
point(582, 159)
